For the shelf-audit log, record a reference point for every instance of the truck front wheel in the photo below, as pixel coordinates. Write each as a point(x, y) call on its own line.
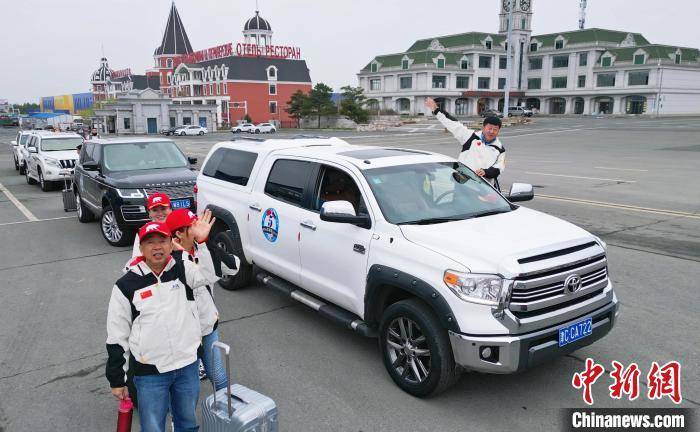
point(230, 241)
point(416, 350)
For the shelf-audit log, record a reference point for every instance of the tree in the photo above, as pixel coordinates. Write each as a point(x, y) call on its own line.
point(298, 106)
point(353, 104)
point(26, 107)
point(320, 102)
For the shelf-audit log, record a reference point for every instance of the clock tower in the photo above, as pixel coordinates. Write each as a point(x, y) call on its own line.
point(521, 29)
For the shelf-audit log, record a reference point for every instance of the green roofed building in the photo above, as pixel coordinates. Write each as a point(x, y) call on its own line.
point(590, 71)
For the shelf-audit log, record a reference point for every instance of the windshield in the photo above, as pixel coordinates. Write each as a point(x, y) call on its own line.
point(57, 144)
point(143, 156)
point(23, 139)
point(432, 193)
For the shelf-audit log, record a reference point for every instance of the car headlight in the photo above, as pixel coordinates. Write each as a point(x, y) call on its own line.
point(130, 193)
point(476, 288)
point(53, 162)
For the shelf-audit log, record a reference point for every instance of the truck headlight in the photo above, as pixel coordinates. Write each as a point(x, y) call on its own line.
point(53, 162)
point(476, 288)
point(130, 193)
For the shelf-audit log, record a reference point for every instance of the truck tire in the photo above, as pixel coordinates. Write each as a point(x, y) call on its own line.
point(230, 241)
point(30, 180)
point(416, 350)
point(45, 185)
point(22, 169)
point(16, 163)
point(84, 214)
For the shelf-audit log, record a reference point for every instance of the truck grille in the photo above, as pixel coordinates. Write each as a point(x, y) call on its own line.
point(67, 163)
point(544, 291)
point(173, 192)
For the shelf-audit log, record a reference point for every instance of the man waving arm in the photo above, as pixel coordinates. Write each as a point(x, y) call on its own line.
point(456, 128)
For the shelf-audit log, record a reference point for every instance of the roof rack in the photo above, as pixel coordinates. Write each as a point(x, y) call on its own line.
point(302, 136)
point(237, 138)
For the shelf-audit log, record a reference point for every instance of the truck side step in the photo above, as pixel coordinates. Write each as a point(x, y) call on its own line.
point(329, 311)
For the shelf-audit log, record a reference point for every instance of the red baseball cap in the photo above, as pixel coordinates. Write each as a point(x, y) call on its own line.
point(157, 199)
point(153, 228)
point(180, 218)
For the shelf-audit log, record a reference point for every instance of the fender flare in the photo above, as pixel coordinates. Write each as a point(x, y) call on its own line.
point(224, 215)
point(379, 276)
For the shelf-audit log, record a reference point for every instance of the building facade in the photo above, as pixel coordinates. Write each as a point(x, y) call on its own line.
point(108, 84)
point(588, 71)
point(68, 104)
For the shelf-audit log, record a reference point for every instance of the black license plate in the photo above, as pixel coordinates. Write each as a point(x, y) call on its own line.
point(180, 203)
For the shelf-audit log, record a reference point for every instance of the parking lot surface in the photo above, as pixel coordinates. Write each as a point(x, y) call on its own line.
point(633, 182)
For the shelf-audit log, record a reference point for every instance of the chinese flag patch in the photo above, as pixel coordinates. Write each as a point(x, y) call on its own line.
point(146, 294)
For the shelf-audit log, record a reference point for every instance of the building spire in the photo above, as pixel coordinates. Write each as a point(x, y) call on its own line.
point(175, 40)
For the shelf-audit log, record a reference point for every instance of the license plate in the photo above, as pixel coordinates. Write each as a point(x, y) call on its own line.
point(181, 203)
point(575, 331)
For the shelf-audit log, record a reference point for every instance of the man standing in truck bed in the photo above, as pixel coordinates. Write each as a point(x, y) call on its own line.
point(482, 151)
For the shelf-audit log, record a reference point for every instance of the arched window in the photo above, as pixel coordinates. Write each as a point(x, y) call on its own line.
point(169, 63)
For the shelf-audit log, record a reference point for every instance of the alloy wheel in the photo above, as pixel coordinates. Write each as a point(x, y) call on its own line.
point(221, 245)
point(408, 350)
point(110, 228)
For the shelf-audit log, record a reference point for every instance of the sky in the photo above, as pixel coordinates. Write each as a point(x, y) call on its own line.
point(53, 46)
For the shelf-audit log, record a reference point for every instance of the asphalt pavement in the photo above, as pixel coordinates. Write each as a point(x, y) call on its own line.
point(634, 182)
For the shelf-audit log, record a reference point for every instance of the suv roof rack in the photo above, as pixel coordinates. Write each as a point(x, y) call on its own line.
point(237, 138)
point(302, 136)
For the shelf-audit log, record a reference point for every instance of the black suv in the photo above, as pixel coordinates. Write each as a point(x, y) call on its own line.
point(114, 177)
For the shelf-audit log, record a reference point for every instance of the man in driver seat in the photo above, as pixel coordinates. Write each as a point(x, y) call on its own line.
point(337, 187)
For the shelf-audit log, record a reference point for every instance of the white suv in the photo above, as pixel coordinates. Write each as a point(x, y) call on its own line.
point(50, 157)
point(412, 247)
point(265, 128)
point(17, 146)
point(243, 127)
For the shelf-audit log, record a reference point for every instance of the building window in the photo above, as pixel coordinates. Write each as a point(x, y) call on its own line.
point(638, 78)
point(169, 63)
point(218, 88)
point(273, 89)
point(605, 80)
point(464, 64)
point(404, 64)
point(441, 63)
point(484, 82)
point(271, 72)
point(558, 82)
point(405, 82)
point(485, 62)
point(583, 59)
point(373, 67)
point(375, 84)
point(127, 123)
point(678, 59)
point(439, 81)
point(522, 23)
point(187, 121)
point(535, 63)
point(606, 61)
point(501, 83)
point(560, 61)
point(534, 83)
point(502, 62)
point(224, 89)
point(639, 59)
point(273, 107)
point(581, 81)
point(533, 47)
point(559, 44)
point(488, 44)
point(462, 82)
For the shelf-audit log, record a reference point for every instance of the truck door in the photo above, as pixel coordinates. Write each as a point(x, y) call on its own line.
point(334, 255)
point(276, 214)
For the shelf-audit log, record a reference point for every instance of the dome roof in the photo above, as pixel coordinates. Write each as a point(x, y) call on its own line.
point(104, 73)
point(257, 23)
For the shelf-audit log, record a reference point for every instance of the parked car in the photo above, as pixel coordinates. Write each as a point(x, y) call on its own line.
point(411, 247)
point(114, 177)
point(519, 111)
point(50, 157)
point(18, 147)
point(244, 127)
point(490, 112)
point(190, 130)
point(167, 131)
point(265, 128)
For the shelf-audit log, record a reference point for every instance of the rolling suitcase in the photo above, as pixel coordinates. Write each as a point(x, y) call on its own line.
point(69, 202)
point(237, 408)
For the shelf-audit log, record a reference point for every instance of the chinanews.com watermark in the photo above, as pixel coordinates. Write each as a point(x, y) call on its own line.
point(663, 381)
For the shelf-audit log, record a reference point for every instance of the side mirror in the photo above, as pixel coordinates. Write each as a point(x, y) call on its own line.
point(192, 160)
point(14, 143)
point(32, 150)
point(91, 166)
point(521, 192)
point(343, 212)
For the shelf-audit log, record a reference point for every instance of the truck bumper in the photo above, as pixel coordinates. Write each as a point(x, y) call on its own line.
point(514, 353)
point(56, 174)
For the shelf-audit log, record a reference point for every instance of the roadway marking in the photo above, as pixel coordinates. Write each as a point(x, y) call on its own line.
point(580, 177)
point(622, 206)
point(37, 220)
point(622, 169)
point(25, 211)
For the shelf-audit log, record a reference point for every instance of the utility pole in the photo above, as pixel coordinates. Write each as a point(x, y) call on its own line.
point(509, 60)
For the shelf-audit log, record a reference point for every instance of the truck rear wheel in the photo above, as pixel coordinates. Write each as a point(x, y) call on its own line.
point(230, 241)
point(416, 350)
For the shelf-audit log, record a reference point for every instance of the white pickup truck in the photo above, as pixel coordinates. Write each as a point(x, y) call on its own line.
point(412, 247)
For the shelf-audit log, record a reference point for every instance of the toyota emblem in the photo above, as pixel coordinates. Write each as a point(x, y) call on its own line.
point(572, 283)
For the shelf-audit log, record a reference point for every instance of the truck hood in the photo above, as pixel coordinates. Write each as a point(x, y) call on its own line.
point(152, 178)
point(61, 154)
point(493, 244)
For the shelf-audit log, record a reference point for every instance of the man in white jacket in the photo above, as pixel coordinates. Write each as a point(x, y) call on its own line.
point(482, 151)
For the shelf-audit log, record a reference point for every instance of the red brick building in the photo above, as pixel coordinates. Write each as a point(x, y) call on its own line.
point(253, 77)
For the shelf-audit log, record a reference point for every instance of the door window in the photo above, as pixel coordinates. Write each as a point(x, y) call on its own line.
point(230, 165)
point(336, 185)
point(288, 180)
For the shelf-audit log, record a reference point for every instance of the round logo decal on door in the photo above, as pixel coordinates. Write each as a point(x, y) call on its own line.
point(270, 225)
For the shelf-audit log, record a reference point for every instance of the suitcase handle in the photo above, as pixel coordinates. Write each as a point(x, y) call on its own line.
point(226, 351)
